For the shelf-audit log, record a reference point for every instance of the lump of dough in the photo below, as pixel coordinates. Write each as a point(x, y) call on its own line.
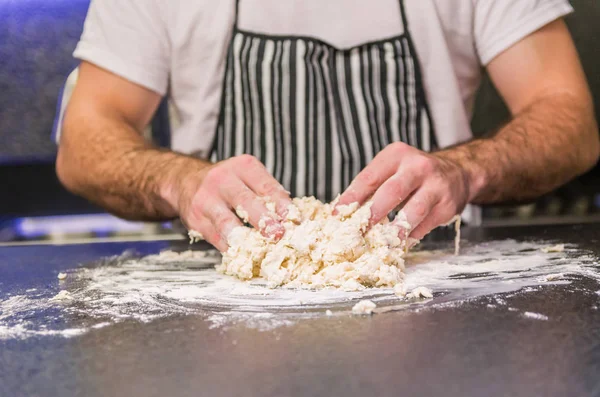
point(420, 292)
point(195, 236)
point(554, 248)
point(364, 307)
point(319, 249)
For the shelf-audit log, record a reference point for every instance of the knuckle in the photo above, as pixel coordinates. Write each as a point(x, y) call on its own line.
point(421, 209)
point(269, 188)
point(369, 179)
point(397, 147)
point(216, 174)
point(221, 221)
point(247, 160)
point(244, 197)
point(424, 164)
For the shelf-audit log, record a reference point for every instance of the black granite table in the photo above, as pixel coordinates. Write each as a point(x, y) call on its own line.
point(467, 350)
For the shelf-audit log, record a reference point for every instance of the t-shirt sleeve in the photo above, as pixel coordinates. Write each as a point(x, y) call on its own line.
point(128, 38)
point(499, 24)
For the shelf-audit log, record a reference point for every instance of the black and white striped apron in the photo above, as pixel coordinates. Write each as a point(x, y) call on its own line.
point(316, 115)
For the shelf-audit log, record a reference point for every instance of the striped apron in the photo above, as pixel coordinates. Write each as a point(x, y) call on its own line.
point(316, 115)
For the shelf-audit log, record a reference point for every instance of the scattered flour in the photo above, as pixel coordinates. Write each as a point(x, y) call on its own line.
point(364, 307)
point(62, 296)
point(319, 249)
point(184, 283)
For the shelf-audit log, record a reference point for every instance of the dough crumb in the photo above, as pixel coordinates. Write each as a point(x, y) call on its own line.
point(553, 277)
point(242, 214)
point(328, 313)
point(535, 316)
point(554, 248)
point(62, 276)
point(62, 296)
point(400, 290)
point(420, 292)
point(364, 307)
point(195, 236)
point(457, 222)
point(319, 249)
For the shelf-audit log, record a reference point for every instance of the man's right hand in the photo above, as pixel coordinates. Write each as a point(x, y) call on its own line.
point(103, 157)
point(207, 199)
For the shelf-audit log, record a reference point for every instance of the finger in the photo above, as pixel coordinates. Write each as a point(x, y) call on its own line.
point(420, 205)
point(221, 217)
point(382, 167)
point(211, 235)
point(256, 177)
point(393, 192)
point(245, 202)
point(207, 231)
point(437, 217)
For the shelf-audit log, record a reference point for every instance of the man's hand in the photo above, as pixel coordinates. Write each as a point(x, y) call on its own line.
point(104, 158)
point(206, 199)
point(430, 188)
point(552, 138)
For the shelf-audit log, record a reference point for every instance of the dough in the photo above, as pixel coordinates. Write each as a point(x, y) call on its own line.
point(62, 276)
point(319, 249)
point(364, 307)
point(195, 236)
point(554, 248)
point(420, 292)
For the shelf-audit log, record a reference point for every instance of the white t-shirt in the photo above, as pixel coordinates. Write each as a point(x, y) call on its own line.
point(178, 47)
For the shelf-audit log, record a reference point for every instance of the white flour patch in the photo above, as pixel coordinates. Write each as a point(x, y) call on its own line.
point(158, 286)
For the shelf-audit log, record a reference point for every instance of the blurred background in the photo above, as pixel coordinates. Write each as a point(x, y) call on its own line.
point(37, 38)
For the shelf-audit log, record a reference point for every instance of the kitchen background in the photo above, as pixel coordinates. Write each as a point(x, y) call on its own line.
point(37, 38)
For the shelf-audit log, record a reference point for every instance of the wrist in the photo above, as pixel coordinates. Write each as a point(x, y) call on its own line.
point(182, 180)
point(474, 172)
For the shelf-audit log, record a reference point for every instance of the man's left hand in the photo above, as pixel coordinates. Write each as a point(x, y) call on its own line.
point(430, 188)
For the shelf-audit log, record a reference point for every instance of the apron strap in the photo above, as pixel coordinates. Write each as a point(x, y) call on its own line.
point(403, 13)
point(237, 8)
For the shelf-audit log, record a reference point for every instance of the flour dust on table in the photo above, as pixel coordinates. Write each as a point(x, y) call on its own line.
point(143, 289)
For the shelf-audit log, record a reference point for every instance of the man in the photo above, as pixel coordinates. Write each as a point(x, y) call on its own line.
point(368, 99)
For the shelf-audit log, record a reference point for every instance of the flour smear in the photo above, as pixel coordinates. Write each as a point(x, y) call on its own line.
point(145, 289)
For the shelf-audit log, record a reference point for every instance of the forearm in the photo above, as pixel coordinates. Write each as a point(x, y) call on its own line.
point(107, 161)
point(543, 147)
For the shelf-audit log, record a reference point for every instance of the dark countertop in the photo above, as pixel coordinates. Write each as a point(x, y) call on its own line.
point(463, 350)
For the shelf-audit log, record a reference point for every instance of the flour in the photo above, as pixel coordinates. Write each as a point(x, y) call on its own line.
point(319, 249)
point(186, 283)
point(62, 296)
